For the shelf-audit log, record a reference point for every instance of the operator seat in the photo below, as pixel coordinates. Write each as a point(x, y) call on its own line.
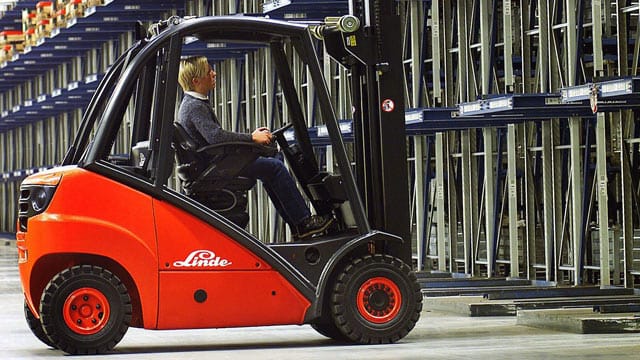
point(209, 174)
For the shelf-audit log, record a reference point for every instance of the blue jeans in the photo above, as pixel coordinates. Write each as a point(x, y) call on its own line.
point(280, 187)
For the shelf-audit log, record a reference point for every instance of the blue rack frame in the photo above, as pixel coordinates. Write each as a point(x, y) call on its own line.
point(99, 25)
point(518, 108)
point(305, 10)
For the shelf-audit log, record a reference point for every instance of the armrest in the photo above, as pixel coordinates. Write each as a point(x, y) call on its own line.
point(238, 147)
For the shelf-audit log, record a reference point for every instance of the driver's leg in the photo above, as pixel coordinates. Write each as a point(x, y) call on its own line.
point(280, 187)
point(284, 194)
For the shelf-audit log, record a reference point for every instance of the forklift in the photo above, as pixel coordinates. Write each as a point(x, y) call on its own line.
point(105, 243)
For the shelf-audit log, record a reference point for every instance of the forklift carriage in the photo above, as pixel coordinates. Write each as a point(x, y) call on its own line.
point(105, 243)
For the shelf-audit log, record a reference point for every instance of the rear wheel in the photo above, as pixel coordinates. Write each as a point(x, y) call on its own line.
point(36, 326)
point(85, 310)
point(376, 300)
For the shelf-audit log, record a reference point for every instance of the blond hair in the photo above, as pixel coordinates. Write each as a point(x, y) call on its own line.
point(191, 68)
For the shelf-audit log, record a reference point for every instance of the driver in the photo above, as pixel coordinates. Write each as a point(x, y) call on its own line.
point(196, 115)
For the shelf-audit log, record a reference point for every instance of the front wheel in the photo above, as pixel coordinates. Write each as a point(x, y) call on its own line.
point(376, 300)
point(85, 310)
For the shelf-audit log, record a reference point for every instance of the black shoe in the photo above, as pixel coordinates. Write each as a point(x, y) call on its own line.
point(313, 225)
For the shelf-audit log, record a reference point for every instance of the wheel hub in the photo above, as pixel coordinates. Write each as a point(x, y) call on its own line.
point(86, 311)
point(379, 300)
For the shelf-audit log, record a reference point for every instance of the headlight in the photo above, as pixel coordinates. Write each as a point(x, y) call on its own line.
point(39, 199)
point(34, 199)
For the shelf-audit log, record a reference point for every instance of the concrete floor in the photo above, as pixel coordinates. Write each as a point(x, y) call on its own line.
point(436, 336)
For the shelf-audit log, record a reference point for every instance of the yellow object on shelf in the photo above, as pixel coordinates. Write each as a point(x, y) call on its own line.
point(75, 8)
point(44, 10)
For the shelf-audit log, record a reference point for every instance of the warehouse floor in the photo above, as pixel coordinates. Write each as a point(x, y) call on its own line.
point(436, 336)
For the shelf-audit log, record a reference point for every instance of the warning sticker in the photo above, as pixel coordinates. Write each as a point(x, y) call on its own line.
point(351, 41)
point(388, 105)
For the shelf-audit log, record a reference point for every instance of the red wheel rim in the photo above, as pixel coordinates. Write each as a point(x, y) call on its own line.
point(86, 311)
point(379, 300)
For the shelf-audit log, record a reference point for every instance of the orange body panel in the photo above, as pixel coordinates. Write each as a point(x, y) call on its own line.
point(233, 298)
point(183, 238)
point(91, 215)
point(168, 253)
point(242, 290)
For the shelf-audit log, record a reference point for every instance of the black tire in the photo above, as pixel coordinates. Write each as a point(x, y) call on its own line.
point(36, 326)
point(376, 300)
point(85, 310)
point(330, 330)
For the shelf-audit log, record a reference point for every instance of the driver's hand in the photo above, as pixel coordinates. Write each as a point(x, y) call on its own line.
point(262, 135)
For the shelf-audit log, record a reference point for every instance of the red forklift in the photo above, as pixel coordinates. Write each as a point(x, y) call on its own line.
point(105, 243)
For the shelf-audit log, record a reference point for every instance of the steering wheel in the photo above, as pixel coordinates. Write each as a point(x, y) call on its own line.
point(279, 132)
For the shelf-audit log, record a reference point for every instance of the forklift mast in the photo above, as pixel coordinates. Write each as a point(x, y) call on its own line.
point(373, 56)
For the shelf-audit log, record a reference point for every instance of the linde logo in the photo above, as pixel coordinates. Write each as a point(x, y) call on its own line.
point(202, 258)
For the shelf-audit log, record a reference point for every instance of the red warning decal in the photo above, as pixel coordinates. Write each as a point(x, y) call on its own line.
point(388, 105)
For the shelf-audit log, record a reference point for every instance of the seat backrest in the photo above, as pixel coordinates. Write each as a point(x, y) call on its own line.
point(189, 163)
point(183, 138)
point(184, 145)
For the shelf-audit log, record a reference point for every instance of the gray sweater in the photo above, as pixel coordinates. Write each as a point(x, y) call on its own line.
point(200, 122)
